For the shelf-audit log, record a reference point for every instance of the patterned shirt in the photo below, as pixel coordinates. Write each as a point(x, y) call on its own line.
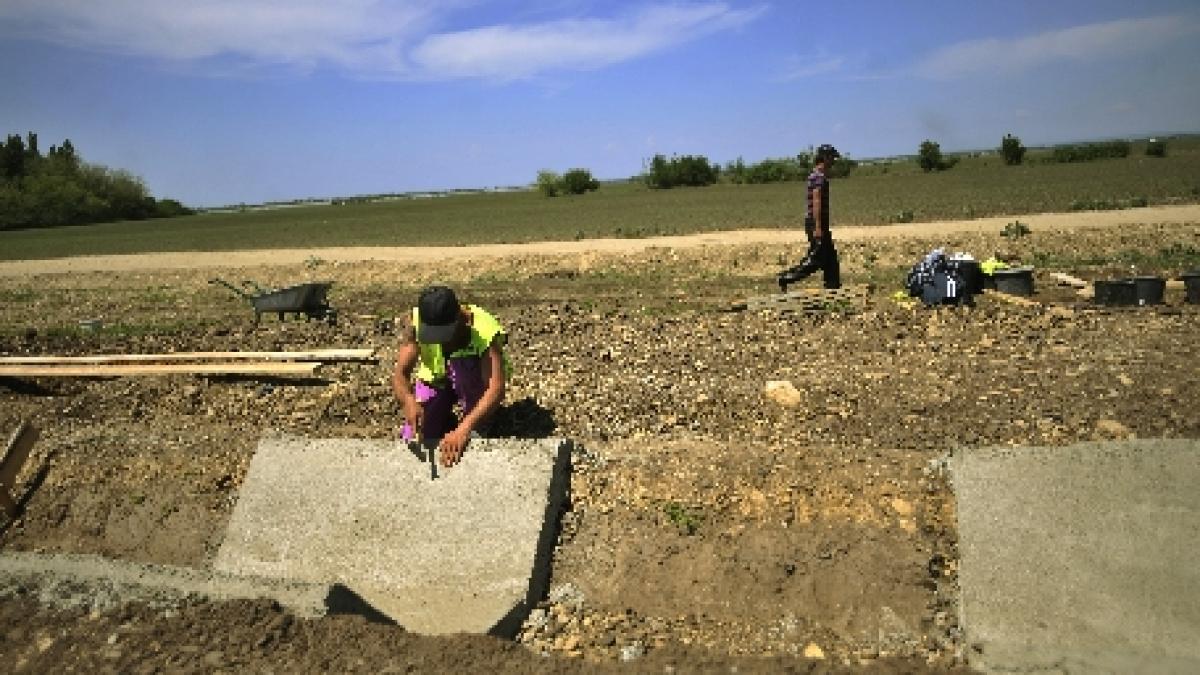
point(818, 181)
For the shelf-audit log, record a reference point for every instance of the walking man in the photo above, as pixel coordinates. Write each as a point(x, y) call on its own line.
point(449, 353)
point(821, 253)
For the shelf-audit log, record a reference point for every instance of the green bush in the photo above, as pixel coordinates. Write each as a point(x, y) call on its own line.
point(1156, 148)
point(548, 182)
point(578, 181)
point(1012, 150)
point(929, 156)
point(686, 170)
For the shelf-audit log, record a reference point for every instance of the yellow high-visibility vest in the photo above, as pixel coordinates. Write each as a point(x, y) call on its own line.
point(431, 367)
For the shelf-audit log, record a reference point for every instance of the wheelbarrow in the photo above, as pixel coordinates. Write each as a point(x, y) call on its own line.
point(307, 299)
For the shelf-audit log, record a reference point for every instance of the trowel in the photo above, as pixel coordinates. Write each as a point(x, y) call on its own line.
point(425, 454)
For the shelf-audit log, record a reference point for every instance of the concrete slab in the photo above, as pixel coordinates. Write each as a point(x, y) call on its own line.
point(1081, 559)
point(468, 551)
point(98, 583)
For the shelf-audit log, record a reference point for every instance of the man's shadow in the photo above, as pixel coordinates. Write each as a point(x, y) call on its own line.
point(523, 419)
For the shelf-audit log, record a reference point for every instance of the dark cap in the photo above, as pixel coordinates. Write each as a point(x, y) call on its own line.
point(438, 311)
point(827, 153)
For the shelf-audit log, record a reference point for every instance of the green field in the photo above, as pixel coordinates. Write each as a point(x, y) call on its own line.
point(876, 194)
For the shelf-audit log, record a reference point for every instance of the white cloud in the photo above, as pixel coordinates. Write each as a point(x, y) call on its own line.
point(354, 34)
point(1081, 43)
point(512, 52)
point(381, 38)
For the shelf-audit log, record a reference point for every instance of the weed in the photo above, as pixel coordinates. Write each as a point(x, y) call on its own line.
point(1015, 230)
point(687, 520)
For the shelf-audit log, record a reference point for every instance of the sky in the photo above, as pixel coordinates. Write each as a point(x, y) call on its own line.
point(217, 102)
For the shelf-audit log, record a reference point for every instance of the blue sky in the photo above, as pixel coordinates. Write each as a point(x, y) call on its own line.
point(224, 101)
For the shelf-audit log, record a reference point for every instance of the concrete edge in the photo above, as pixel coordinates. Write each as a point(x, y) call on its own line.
point(98, 583)
point(557, 498)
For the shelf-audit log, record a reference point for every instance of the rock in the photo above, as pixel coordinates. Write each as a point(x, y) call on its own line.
point(632, 652)
point(1106, 428)
point(902, 507)
point(812, 651)
point(784, 393)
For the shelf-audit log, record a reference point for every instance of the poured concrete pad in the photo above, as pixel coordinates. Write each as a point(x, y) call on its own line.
point(468, 551)
point(1081, 559)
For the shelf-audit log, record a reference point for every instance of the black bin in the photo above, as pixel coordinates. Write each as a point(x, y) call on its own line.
point(1116, 292)
point(1191, 282)
point(1150, 290)
point(1016, 281)
point(970, 272)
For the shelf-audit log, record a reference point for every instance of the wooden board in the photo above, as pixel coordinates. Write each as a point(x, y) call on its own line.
point(1068, 280)
point(110, 370)
point(314, 355)
point(1013, 299)
point(15, 455)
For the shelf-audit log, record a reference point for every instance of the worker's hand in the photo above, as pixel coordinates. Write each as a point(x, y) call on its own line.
point(452, 446)
point(414, 414)
point(818, 233)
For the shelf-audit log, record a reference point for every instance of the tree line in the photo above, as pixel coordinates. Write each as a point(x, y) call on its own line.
point(59, 188)
point(662, 172)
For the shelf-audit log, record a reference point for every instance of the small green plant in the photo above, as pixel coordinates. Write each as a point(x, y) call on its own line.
point(312, 262)
point(1015, 230)
point(685, 519)
point(904, 216)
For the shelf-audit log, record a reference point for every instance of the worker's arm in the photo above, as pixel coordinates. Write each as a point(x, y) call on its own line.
point(406, 359)
point(492, 370)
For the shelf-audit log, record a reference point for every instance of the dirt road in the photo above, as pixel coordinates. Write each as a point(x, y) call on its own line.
point(426, 254)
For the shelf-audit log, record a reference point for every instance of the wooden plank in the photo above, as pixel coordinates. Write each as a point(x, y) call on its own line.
point(1013, 299)
point(314, 355)
point(14, 459)
point(1068, 280)
point(110, 370)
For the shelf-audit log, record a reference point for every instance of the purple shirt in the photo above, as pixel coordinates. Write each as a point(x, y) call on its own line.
point(817, 181)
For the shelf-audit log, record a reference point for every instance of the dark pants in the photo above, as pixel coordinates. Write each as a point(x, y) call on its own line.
point(821, 256)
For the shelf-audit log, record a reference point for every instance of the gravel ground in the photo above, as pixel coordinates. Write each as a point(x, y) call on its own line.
point(710, 525)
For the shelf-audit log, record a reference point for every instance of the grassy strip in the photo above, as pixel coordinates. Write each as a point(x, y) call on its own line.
point(977, 187)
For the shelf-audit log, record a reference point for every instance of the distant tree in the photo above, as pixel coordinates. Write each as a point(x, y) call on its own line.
point(60, 189)
point(1012, 150)
point(929, 156)
point(686, 170)
point(1156, 148)
point(548, 182)
point(12, 157)
point(579, 181)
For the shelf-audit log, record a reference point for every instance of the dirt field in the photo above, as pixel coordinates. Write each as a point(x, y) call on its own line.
point(709, 527)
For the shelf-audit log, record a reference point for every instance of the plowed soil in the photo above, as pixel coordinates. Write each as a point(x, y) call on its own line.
point(710, 525)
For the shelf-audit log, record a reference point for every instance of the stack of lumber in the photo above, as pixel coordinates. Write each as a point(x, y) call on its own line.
point(176, 363)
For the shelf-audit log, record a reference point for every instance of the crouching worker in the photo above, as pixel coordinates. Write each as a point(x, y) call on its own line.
point(449, 353)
